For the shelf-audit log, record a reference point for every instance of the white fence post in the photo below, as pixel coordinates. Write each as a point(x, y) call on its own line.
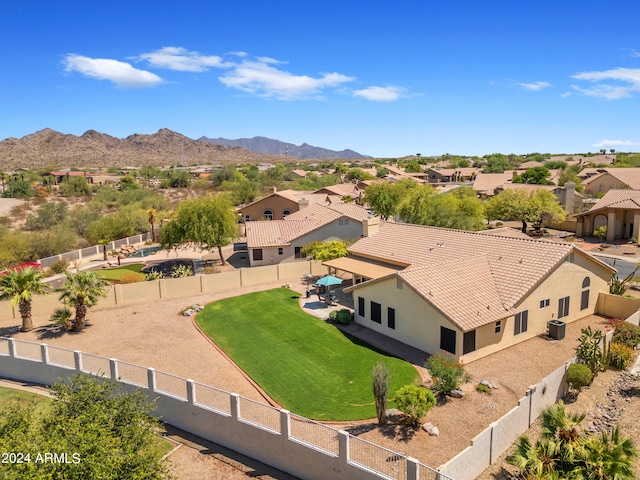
point(413, 473)
point(234, 400)
point(77, 358)
point(151, 379)
point(113, 368)
point(285, 425)
point(44, 350)
point(12, 348)
point(343, 446)
point(191, 391)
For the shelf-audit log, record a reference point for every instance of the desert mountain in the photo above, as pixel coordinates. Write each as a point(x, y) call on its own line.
point(48, 148)
point(269, 146)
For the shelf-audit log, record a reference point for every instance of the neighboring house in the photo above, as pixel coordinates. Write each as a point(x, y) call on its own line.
point(611, 179)
point(282, 240)
point(458, 175)
point(58, 177)
point(342, 190)
point(299, 173)
point(486, 184)
point(467, 294)
point(281, 204)
point(566, 195)
point(618, 210)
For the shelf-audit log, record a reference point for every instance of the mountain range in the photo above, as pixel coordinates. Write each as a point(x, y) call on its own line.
point(269, 146)
point(51, 149)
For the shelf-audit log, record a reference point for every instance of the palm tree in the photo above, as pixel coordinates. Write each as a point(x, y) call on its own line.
point(152, 220)
point(20, 286)
point(609, 456)
point(81, 291)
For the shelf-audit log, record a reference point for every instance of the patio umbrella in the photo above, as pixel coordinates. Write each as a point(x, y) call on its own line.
point(329, 280)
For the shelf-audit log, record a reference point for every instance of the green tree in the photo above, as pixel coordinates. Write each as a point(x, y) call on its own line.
point(570, 174)
point(446, 374)
point(128, 182)
point(539, 206)
point(106, 432)
point(207, 222)
point(74, 187)
point(535, 176)
point(323, 251)
point(384, 198)
point(152, 212)
point(414, 402)
point(47, 216)
point(81, 291)
point(17, 187)
point(20, 285)
point(600, 233)
point(497, 163)
point(358, 174)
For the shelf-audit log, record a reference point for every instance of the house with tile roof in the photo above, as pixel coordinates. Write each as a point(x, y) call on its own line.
point(458, 175)
point(612, 178)
point(348, 189)
point(467, 294)
point(280, 204)
point(280, 241)
point(618, 210)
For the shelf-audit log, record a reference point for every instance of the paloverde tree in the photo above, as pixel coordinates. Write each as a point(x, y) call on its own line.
point(538, 206)
point(207, 222)
point(384, 198)
point(20, 285)
point(81, 291)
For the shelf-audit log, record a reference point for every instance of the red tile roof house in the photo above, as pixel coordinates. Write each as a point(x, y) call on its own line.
point(467, 294)
point(280, 241)
point(280, 204)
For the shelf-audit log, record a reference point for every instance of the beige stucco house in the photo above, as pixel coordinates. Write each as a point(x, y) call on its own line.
point(467, 294)
point(280, 204)
point(282, 240)
point(618, 210)
point(606, 179)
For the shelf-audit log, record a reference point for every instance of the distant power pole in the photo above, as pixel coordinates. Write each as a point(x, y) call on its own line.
point(286, 154)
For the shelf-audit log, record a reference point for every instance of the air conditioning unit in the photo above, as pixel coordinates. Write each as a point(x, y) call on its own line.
point(556, 329)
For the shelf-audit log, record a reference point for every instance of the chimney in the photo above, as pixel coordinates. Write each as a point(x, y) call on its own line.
point(570, 197)
point(303, 203)
point(274, 189)
point(370, 226)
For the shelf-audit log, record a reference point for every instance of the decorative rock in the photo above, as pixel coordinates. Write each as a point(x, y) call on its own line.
point(393, 412)
point(456, 393)
point(487, 383)
point(431, 429)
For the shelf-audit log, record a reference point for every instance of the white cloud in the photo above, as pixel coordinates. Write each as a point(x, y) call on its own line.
point(614, 143)
point(180, 59)
point(565, 94)
point(120, 73)
point(261, 78)
point(628, 83)
point(534, 87)
point(380, 94)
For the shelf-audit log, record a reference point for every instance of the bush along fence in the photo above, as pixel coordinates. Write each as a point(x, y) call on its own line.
point(291, 443)
point(493, 441)
point(83, 253)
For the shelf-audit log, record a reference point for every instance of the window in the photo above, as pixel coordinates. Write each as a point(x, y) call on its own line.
point(448, 340)
point(257, 254)
point(247, 218)
point(468, 342)
point(544, 303)
point(268, 214)
point(521, 321)
point(563, 307)
point(343, 221)
point(361, 306)
point(280, 251)
point(584, 299)
point(391, 318)
point(298, 252)
point(498, 327)
point(376, 312)
point(286, 212)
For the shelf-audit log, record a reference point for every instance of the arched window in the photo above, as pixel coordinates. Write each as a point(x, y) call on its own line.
point(268, 214)
point(584, 299)
point(286, 213)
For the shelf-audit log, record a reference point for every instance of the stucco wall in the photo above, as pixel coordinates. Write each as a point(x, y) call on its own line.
point(602, 184)
point(275, 203)
point(616, 306)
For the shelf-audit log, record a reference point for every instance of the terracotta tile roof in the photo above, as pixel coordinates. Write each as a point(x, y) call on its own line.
point(628, 176)
point(487, 183)
point(506, 232)
point(629, 199)
point(504, 268)
point(342, 189)
point(279, 233)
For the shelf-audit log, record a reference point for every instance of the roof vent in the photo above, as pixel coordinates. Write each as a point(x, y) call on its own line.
point(520, 261)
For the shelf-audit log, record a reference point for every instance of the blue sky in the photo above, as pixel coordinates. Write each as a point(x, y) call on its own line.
point(386, 79)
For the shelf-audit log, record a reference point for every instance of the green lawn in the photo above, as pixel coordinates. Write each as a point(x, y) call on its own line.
point(306, 365)
point(115, 274)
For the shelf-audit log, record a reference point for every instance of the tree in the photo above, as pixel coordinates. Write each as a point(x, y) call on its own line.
point(497, 163)
point(47, 216)
point(207, 222)
point(323, 251)
point(414, 402)
point(446, 374)
point(358, 174)
point(618, 286)
point(539, 206)
point(535, 176)
point(152, 222)
point(600, 233)
point(381, 380)
point(104, 431)
point(74, 187)
point(384, 198)
point(20, 285)
point(81, 291)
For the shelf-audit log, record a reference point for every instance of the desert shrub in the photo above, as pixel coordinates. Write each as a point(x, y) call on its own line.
point(344, 316)
point(620, 355)
point(414, 402)
point(447, 375)
point(149, 242)
point(153, 275)
point(381, 378)
point(132, 278)
point(578, 376)
point(482, 388)
point(627, 334)
point(333, 316)
point(589, 351)
point(59, 266)
point(181, 271)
